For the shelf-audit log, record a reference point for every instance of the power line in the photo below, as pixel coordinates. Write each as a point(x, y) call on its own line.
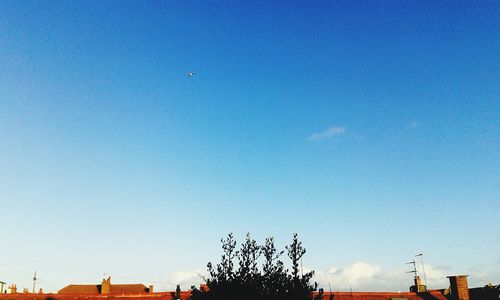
point(15, 270)
point(78, 270)
point(27, 275)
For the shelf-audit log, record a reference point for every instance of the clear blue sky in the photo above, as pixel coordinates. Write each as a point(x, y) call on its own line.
point(370, 128)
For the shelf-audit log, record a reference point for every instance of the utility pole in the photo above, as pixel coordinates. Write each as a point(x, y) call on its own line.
point(423, 268)
point(34, 282)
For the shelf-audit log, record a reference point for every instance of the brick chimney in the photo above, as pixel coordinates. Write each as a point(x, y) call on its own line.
point(459, 287)
point(204, 287)
point(150, 289)
point(13, 289)
point(106, 286)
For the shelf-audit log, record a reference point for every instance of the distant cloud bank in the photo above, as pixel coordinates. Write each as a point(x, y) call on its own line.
point(360, 276)
point(327, 134)
point(363, 276)
point(185, 279)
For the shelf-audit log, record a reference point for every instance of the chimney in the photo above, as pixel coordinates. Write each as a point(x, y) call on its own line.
point(106, 286)
point(459, 287)
point(178, 292)
point(418, 287)
point(150, 289)
point(13, 289)
point(204, 287)
point(418, 283)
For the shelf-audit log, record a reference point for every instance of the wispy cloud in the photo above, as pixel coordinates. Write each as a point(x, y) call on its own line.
point(327, 134)
point(413, 124)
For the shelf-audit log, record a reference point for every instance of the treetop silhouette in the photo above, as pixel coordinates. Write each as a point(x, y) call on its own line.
point(256, 272)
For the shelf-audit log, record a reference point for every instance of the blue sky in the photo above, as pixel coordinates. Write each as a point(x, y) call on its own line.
point(369, 128)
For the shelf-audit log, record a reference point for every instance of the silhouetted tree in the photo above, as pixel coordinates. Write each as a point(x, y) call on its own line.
point(300, 286)
point(274, 282)
point(248, 255)
point(273, 270)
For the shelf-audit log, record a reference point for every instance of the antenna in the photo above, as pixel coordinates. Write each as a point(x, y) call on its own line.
point(483, 281)
point(414, 268)
point(423, 268)
point(34, 282)
point(202, 277)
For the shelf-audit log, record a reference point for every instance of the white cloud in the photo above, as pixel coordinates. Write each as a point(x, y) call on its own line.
point(367, 277)
point(362, 276)
point(185, 279)
point(360, 270)
point(327, 134)
point(482, 274)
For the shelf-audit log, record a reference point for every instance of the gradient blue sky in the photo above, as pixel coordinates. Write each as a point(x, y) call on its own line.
point(370, 128)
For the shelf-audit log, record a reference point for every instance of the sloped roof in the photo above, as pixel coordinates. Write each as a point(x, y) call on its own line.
point(95, 289)
point(80, 289)
point(128, 289)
